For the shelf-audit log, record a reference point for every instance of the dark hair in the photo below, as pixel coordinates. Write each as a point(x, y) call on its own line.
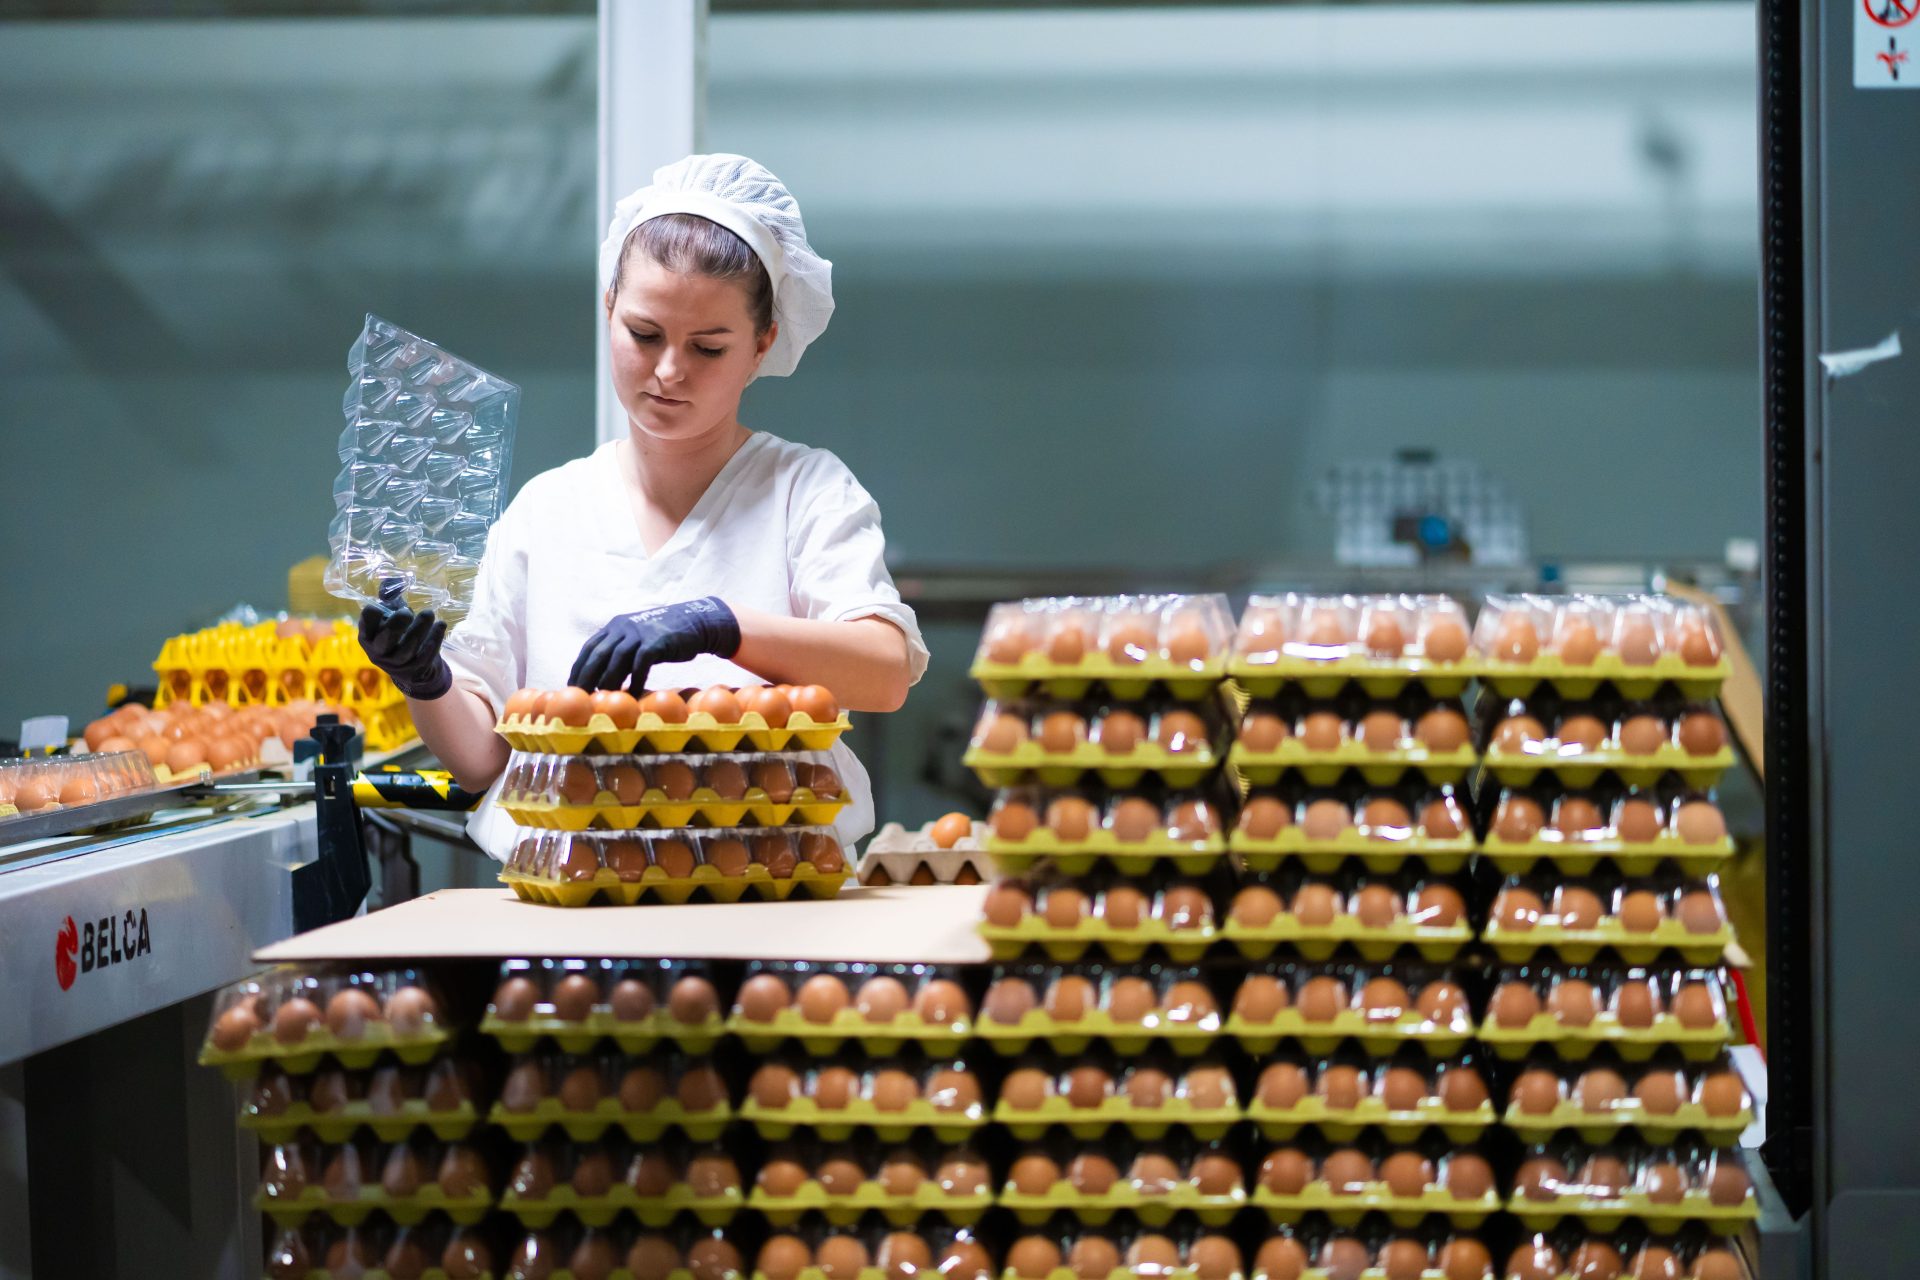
point(687, 244)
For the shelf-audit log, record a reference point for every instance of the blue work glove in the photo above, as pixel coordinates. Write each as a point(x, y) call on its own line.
point(405, 644)
point(629, 646)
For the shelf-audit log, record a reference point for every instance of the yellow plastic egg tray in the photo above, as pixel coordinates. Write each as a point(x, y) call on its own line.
point(1581, 945)
point(372, 1198)
point(892, 1126)
point(1122, 1197)
point(1628, 1115)
point(1635, 858)
point(1519, 769)
point(1090, 1122)
point(584, 1126)
point(340, 1124)
point(601, 1210)
point(651, 733)
point(1127, 681)
point(1379, 1038)
point(1348, 1208)
point(1345, 1124)
point(1324, 677)
point(870, 1197)
point(1186, 1038)
point(1634, 1044)
point(1008, 942)
point(1128, 1273)
point(655, 811)
point(1604, 1215)
point(1317, 942)
point(300, 1059)
point(1517, 679)
point(578, 1037)
point(655, 885)
point(1065, 768)
point(820, 1039)
point(1129, 857)
point(1323, 768)
point(1327, 855)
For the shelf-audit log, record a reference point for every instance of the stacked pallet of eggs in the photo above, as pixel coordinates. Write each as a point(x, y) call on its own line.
point(1608, 1001)
point(718, 793)
point(369, 1115)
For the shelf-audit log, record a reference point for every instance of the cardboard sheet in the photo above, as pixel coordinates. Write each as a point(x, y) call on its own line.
point(898, 924)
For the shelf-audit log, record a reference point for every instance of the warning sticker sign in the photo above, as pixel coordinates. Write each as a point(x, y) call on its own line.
point(1884, 34)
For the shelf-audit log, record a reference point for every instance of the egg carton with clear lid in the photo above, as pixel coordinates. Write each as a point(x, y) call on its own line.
point(36, 786)
point(577, 1003)
point(1579, 743)
point(1575, 1009)
point(1121, 917)
point(1665, 1187)
point(596, 1181)
point(1058, 743)
point(1346, 1181)
point(1125, 1006)
point(1068, 1248)
point(580, 868)
point(296, 1017)
point(588, 1094)
point(822, 1005)
point(1571, 1251)
point(1132, 830)
point(350, 1181)
point(433, 1249)
point(1576, 643)
point(1636, 829)
point(1604, 1096)
point(1151, 1179)
point(625, 1249)
point(622, 793)
point(1382, 1005)
point(1321, 643)
point(894, 1096)
point(390, 1100)
point(1128, 644)
point(1344, 1094)
point(873, 1250)
point(843, 1182)
point(1097, 1091)
point(718, 718)
point(1376, 914)
point(1312, 1249)
point(1636, 918)
point(1384, 827)
point(1383, 740)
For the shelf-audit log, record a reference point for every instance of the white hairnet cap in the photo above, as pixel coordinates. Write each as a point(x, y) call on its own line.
point(743, 197)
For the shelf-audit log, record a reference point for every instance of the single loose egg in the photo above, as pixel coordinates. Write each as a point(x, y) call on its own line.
point(950, 830)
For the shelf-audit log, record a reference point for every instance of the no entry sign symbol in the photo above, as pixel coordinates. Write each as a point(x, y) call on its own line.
point(1884, 32)
point(1891, 13)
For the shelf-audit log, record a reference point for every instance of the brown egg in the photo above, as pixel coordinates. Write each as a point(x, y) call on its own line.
point(1009, 641)
point(1065, 907)
point(1255, 906)
point(712, 1175)
point(653, 1257)
point(894, 1090)
point(1322, 731)
point(1663, 1182)
point(1123, 907)
point(1572, 1002)
point(1659, 1091)
point(1402, 1088)
point(675, 779)
point(1009, 1000)
point(1516, 639)
point(1003, 734)
point(1641, 911)
point(1347, 1171)
point(1192, 820)
point(881, 999)
point(839, 1175)
point(1260, 999)
point(1594, 1260)
point(762, 997)
point(1519, 817)
point(1716, 1262)
point(1066, 642)
point(950, 829)
point(1152, 1255)
point(1407, 1173)
point(1069, 998)
point(1443, 1003)
point(1514, 1005)
point(1325, 819)
point(1130, 643)
point(902, 1173)
point(1382, 730)
point(726, 779)
point(1384, 999)
point(1214, 1174)
point(1577, 818)
point(574, 997)
point(1534, 1259)
point(1699, 912)
point(1602, 1177)
point(1540, 1178)
point(1153, 1174)
point(1442, 730)
point(1580, 733)
point(953, 1089)
point(462, 1173)
point(1694, 1007)
point(1134, 819)
point(294, 1020)
point(525, 1086)
point(1386, 819)
point(966, 1260)
point(1403, 1258)
point(1383, 636)
point(783, 1257)
point(1149, 1088)
point(767, 702)
point(1464, 1258)
point(1461, 1088)
point(1322, 998)
point(1179, 732)
point(1026, 1088)
point(821, 851)
point(1642, 735)
point(1634, 637)
point(1092, 1174)
point(1033, 1257)
point(1262, 731)
point(1092, 1258)
point(1182, 906)
point(1286, 1171)
point(1444, 639)
point(1536, 1091)
point(718, 701)
point(1516, 735)
point(1517, 909)
point(1599, 1090)
point(1214, 1257)
point(1637, 1004)
point(692, 1001)
point(232, 1029)
point(1722, 1094)
point(1034, 1173)
point(1442, 819)
point(1701, 733)
point(1341, 1087)
point(617, 705)
point(183, 756)
point(1577, 907)
point(781, 1176)
point(582, 1087)
point(1208, 1088)
point(1281, 1086)
point(1007, 904)
point(1280, 1258)
point(1315, 904)
point(625, 857)
point(571, 707)
point(1130, 999)
point(1438, 905)
point(1699, 822)
point(343, 1176)
point(1061, 732)
point(1263, 817)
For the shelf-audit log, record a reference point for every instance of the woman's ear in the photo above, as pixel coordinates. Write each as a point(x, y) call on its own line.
point(764, 343)
point(609, 302)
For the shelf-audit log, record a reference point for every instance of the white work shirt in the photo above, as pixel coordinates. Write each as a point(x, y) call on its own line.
point(783, 528)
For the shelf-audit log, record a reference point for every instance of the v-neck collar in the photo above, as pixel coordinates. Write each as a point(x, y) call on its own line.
point(624, 530)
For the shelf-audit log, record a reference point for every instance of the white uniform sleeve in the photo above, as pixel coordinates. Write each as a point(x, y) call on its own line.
point(839, 555)
point(487, 649)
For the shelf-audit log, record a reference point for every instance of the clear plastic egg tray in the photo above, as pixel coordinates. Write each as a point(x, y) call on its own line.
point(424, 463)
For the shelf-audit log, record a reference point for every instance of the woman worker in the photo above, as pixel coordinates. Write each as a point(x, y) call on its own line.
point(694, 551)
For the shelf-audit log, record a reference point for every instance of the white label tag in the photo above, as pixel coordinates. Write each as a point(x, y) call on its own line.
point(1884, 56)
point(42, 732)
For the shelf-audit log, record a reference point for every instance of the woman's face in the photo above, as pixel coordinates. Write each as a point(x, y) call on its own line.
point(683, 349)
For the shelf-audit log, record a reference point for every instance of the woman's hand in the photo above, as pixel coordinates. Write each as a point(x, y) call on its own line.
point(405, 644)
point(631, 645)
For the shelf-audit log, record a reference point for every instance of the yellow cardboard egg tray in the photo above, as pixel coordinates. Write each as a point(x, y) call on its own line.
point(1598, 1214)
point(1378, 1037)
point(1634, 858)
point(300, 1059)
point(1129, 857)
point(578, 1037)
point(1344, 1124)
point(1065, 768)
point(1347, 1208)
point(340, 1124)
point(651, 733)
point(870, 1197)
point(655, 885)
point(1323, 768)
point(1154, 1209)
point(835, 1125)
point(655, 811)
point(1116, 1112)
point(1317, 942)
point(820, 1039)
point(1581, 945)
point(1186, 1038)
point(601, 1210)
point(1324, 677)
point(1627, 1116)
point(1635, 1044)
point(1008, 942)
point(1326, 855)
point(1517, 679)
point(372, 1198)
point(1518, 769)
point(1127, 681)
point(584, 1126)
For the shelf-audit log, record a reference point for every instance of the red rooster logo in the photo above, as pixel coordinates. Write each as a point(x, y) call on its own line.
point(66, 946)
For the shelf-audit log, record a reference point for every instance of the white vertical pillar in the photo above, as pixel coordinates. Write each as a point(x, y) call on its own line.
point(653, 100)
